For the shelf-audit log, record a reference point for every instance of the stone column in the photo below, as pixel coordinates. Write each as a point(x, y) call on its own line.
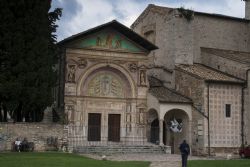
point(161, 132)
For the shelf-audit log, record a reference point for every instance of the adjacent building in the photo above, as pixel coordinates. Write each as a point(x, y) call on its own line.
point(184, 77)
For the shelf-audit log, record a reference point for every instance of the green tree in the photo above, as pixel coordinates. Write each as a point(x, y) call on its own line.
point(28, 58)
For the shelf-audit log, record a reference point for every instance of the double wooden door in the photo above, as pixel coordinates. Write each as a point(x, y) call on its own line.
point(94, 127)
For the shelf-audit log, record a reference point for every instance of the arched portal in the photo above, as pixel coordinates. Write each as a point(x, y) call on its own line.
point(106, 105)
point(153, 124)
point(177, 128)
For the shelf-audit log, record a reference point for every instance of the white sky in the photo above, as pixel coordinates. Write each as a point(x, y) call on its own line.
point(80, 15)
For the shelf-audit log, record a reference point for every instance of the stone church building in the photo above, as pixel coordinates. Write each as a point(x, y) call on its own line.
point(176, 74)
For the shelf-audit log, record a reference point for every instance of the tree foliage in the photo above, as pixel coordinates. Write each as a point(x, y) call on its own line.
point(28, 58)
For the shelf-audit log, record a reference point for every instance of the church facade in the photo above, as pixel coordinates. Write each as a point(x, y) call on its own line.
point(106, 86)
point(184, 77)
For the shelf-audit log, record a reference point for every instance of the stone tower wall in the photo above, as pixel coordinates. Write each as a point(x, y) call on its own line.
point(247, 9)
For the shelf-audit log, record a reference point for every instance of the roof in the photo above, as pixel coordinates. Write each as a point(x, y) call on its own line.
point(164, 94)
point(165, 10)
point(118, 27)
point(242, 57)
point(208, 74)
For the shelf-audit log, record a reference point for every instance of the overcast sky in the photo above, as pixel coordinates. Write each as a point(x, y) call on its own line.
point(80, 15)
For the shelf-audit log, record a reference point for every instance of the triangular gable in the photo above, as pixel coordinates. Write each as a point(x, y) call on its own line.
point(130, 40)
point(107, 39)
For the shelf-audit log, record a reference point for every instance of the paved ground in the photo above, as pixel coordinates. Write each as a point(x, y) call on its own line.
point(157, 160)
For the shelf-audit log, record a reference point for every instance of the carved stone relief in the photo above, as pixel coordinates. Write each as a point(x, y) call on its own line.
point(82, 63)
point(141, 116)
point(132, 67)
point(69, 116)
point(142, 75)
point(105, 85)
point(71, 73)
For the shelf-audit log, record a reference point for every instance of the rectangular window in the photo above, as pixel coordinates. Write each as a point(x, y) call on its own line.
point(228, 110)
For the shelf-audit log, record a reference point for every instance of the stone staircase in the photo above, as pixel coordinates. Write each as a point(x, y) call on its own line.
point(121, 149)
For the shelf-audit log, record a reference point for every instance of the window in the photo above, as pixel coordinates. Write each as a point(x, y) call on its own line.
point(228, 110)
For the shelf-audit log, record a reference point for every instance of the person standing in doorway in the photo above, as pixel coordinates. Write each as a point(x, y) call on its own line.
point(185, 151)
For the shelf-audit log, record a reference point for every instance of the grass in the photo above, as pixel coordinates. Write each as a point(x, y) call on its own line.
point(219, 163)
point(59, 160)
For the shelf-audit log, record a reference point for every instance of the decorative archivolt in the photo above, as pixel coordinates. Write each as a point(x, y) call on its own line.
point(118, 72)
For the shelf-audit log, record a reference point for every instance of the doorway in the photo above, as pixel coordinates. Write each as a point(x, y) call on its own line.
point(154, 130)
point(114, 127)
point(94, 127)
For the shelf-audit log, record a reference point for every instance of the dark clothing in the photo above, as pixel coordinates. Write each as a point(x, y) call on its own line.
point(184, 158)
point(185, 151)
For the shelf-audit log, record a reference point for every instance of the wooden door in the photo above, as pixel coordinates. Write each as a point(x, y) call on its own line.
point(114, 121)
point(94, 127)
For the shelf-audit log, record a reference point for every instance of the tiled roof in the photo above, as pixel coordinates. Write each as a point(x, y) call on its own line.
point(207, 73)
point(242, 57)
point(164, 94)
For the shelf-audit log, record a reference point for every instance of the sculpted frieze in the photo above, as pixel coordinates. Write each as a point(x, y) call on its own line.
point(105, 105)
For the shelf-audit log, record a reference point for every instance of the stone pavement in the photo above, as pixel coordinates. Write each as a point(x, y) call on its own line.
point(157, 160)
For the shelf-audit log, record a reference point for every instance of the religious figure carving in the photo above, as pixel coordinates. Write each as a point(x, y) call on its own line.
point(71, 73)
point(142, 77)
point(132, 67)
point(105, 85)
point(98, 41)
point(141, 116)
point(82, 63)
point(69, 113)
point(118, 43)
point(109, 40)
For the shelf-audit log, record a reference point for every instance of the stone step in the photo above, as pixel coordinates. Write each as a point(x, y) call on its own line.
point(118, 149)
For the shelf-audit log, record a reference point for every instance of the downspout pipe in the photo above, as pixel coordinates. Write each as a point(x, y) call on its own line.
point(208, 121)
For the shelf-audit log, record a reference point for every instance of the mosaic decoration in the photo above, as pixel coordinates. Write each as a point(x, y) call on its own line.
point(105, 85)
point(108, 39)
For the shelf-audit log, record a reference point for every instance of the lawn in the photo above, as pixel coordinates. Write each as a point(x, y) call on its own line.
point(59, 160)
point(220, 163)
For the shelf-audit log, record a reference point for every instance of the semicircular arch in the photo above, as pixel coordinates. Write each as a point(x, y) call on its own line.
point(95, 67)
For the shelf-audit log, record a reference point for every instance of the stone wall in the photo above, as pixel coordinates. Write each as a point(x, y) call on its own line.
point(193, 88)
point(179, 40)
point(247, 9)
point(220, 33)
point(238, 69)
point(35, 132)
point(226, 65)
point(225, 131)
